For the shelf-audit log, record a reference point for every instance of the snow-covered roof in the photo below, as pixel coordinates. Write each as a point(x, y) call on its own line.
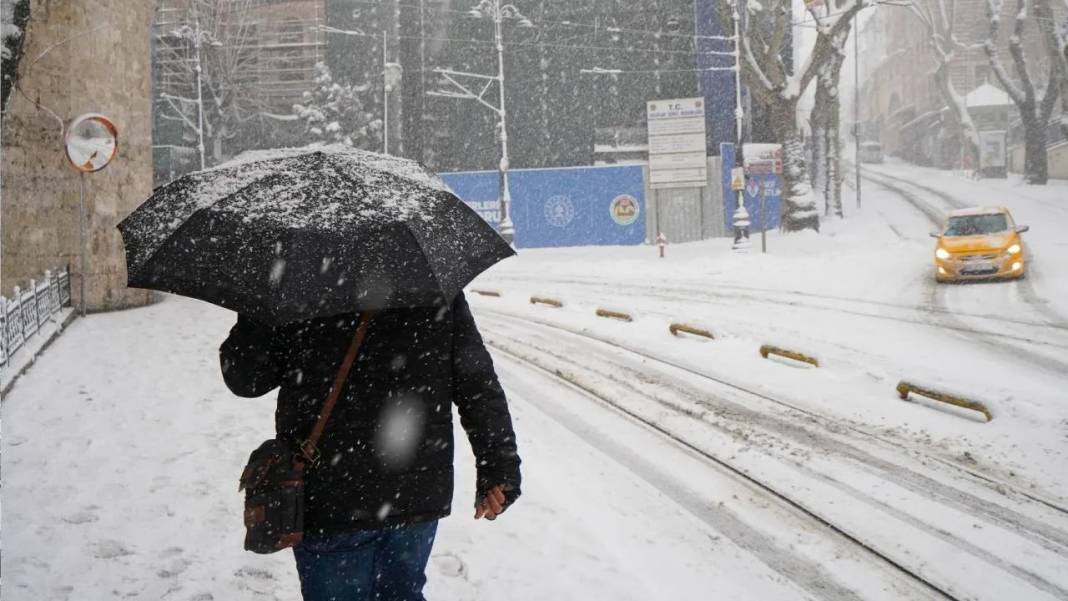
point(987, 95)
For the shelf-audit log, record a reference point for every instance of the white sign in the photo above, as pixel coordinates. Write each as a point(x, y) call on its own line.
point(737, 179)
point(762, 159)
point(991, 149)
point(677, 145)
point(677, 160)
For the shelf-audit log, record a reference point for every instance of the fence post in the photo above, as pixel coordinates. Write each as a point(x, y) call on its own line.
point(36, 303)
point(70, 295)
point(3, 331)
point(50, 290)
point(22, 316)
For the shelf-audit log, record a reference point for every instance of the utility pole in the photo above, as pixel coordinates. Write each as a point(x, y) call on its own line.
point(493, 10)
point(385, 95)
point(200, 90)
point(856, 98)
point(741, 216)
point(507, 227)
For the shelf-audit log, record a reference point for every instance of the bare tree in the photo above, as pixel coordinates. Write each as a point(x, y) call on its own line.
point(1034, 113)
point(1055, 37)
point(826, 129)
point(939, 18)
point(212, 84)
point(14, 17)
point(778, 86)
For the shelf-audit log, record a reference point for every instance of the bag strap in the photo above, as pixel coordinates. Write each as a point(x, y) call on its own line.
point(309, 448)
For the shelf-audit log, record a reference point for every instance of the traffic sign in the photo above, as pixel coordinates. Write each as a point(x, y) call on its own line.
point(762, 159)
point(737, 179)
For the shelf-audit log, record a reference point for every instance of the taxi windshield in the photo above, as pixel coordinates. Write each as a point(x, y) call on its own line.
point(976, 225)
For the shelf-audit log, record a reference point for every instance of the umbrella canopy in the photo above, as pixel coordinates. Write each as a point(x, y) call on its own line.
point(297, 234)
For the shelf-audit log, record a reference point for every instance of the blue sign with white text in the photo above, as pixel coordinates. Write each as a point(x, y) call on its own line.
point(772, 184)
point(562, 207)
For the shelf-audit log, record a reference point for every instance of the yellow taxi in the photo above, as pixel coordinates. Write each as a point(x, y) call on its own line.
point(978, 244)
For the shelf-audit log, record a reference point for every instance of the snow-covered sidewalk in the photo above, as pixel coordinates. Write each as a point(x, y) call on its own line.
point(122, 447)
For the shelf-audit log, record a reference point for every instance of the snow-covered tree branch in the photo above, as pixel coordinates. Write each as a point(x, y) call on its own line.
point(1034, 114)
point(334, 112)
point(1055, 38)
point(778, 86)
point(216, 42)
point(938, 17)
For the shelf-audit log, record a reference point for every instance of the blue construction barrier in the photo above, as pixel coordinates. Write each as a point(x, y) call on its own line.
point(772, 214)
point(577, 206)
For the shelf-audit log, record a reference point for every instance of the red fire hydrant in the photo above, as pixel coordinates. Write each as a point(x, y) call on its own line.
point(661, 242)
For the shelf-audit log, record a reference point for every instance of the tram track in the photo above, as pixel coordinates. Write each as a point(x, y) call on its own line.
point(821, 443)
point(1037, 332)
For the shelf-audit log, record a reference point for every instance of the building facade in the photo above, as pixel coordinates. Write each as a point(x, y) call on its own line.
point(257, 58)
point(104, 70)
point(901, 103)
point(577, 79)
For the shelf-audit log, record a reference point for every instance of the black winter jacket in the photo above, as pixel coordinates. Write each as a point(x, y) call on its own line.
point(387, 451)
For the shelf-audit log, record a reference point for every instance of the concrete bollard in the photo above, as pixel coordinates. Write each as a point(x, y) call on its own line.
point(614, 315)
point(675, 328)
point(904, 388)
point(542, 300)
point(768, 349)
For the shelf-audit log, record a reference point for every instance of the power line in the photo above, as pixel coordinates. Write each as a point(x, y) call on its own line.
point(359, 33)
point(594, 26)
point(596, 71)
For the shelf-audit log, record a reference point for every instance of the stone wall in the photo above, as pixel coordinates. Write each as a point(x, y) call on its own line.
point(96, 60)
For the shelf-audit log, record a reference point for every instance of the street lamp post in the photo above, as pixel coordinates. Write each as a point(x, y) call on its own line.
point(856, 99)
point(498, 13)
point(741, 216)
point(507, 227)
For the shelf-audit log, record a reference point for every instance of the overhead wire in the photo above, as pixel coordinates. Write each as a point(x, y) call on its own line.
point(595, 26)
point(359, 33)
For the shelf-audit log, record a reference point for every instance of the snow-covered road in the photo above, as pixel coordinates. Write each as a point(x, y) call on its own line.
point(121, 449)
point(909, 508)
point(860, 296)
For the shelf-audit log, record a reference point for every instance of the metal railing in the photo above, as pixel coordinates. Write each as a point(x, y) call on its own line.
point(27, 311)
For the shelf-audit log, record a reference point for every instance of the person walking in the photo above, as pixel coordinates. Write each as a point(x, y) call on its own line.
point(372, 503)
point(346, 269)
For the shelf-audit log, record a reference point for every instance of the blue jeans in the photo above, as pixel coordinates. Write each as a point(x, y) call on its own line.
point(370, 565)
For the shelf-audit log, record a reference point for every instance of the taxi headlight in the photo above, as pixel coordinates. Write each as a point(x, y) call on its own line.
point(1013, 250)
point(942, 253)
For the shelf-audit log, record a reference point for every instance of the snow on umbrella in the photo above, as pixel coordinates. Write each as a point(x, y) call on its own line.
point(296, 234)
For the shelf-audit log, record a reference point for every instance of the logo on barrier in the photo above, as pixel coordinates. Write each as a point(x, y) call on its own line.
point(559, 210)
point(624, 209)
point(771, 187)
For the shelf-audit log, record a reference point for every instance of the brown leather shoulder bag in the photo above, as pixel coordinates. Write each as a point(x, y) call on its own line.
point(273, 479)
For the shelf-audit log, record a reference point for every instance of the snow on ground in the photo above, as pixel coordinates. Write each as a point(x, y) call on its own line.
point(908, 507)
point(21, 359)
point(861, 297)
point(1043, 208)
point(122, 448)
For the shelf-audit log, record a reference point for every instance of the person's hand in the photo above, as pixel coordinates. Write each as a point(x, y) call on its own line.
point(492, 505)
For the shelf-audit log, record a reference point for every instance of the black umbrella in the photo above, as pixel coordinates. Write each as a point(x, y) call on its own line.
point(297, 234)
